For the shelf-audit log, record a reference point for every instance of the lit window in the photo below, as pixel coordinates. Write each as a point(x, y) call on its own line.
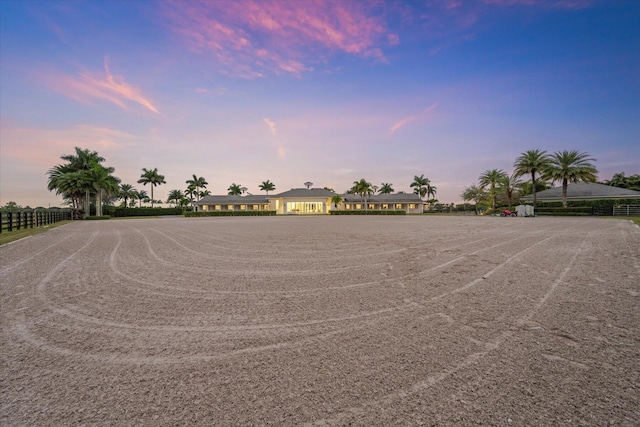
point(358, 206)
point(385, 206)
point(347, 206)
point(371, 206)
point(243, 207)
point(218, 207)
point(229, 207)
point(398, 206)
point(256, 208)
point(412, 206)
point(205, 207)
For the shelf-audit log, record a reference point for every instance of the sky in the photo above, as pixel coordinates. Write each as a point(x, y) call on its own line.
point(327, 92)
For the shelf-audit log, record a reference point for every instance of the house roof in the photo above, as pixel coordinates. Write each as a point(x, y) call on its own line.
point(384, 198)
point(232, 200)
point(584, 191)
point(305, 192)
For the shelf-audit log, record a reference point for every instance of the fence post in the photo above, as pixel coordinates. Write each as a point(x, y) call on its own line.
point(10, 220)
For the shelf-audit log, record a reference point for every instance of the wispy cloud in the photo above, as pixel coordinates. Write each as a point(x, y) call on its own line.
point(250, 38)
point(405, 121)
point(271, 125)
point(88, 86)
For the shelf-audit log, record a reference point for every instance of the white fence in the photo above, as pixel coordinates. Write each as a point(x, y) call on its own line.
point(626, 210)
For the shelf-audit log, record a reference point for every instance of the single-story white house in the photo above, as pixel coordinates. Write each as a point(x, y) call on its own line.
point(300, 201)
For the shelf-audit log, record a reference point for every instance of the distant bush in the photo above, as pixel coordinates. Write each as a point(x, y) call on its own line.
point(570, 211)
point(371, 212)
point(121, 212)
point(230, 213)
point(95, 217)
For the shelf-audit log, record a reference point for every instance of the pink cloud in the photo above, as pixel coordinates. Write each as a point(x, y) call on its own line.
point(405, 121)
point(252, 37)
point(105, 87)
point(271, 125)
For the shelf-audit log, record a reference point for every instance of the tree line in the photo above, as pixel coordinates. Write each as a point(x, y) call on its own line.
point(542, 168)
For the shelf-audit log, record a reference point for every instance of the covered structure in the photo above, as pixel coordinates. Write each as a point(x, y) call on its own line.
point(584, 191)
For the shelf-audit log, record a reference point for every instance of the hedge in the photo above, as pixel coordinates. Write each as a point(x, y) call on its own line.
point(570, 211)
point(372, 212)
point(588, 203)
point(120, 212)
point(230, 213)
point(95, 217)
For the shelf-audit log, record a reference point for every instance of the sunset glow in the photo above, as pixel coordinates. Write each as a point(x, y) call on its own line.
point(327, 92)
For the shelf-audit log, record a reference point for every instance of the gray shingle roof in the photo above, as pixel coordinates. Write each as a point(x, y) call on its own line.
point(305, 192)
point(232, 200)
point(384, 198)
point(584, 191)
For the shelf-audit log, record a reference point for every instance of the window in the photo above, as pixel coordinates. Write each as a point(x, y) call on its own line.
point(218, 207)
point(385, 206)
point(358, 206)
point(398, 206)
point(229, 207)
point(243, 207)
point(305, 207)
point(205, 207)
point(412, 206)
point(256, 208)
point(371, 206)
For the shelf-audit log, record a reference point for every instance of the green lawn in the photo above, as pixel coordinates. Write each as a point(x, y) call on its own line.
point(10, 236)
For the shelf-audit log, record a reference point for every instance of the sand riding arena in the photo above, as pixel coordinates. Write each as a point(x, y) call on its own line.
point(323, 321)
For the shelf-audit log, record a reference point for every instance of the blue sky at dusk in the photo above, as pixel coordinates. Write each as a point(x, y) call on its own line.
point(327, 92)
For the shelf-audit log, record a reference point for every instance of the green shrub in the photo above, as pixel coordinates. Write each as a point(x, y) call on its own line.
point(371, 212)
point(560, 211)
point(229, 213)
point(121, 212)
point(95, 217)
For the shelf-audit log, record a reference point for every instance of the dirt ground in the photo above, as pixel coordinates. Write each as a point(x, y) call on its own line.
point(371, 321)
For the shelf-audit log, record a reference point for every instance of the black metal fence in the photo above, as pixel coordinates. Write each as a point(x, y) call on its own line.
point(11, 221)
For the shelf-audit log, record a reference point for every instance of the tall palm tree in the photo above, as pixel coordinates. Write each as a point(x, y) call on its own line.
point(101, 180)
point(530, 163)
point(385, 188)
point(475, 193)
point(175, 196)
point(364, 189)
point(267, 186)
point(198, 183)
point(191, 194)
point(151, 176)
point(420, 184)
point(127, 192)
point(490, 178)
point(336, 200)
point(234, 189)
point(570, 166)
point(142, 196)
point(509, 185)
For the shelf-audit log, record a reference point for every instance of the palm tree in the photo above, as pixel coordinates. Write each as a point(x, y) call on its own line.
point(101, 180)
point(531, 162)
point(142, 196)
point(336, 200)
point(191, 194)
point(267, 186)
point(421, 185)
point(490, 178)
point(570, 166)
point(364, 189)
point(175, 196)
point(198, 183)
point(204, 193)
point(385, 188)
point(474, 193)
point(127, 192)
point(151, 176)
point(77, 165)
point(509, 185)
point(234, 189)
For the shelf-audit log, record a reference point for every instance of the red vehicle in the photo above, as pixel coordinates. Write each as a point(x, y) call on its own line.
point(507, 212)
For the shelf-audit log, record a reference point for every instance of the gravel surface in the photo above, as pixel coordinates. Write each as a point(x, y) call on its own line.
point(323, 321)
